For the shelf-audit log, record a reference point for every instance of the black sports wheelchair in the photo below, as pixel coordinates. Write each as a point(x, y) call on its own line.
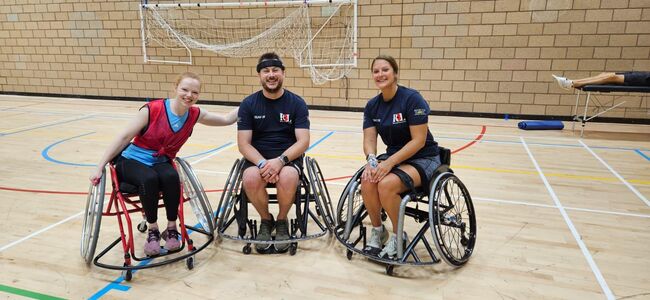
point(444, 207)
point(121, 204)
point(312, 202)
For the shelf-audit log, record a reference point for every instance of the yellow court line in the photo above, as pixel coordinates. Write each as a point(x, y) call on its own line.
point(557, 175)
point(496, 170)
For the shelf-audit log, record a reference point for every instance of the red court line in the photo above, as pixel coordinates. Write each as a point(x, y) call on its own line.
point(476, 139)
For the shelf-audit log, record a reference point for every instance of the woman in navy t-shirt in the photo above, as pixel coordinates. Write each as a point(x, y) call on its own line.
point(399, 115)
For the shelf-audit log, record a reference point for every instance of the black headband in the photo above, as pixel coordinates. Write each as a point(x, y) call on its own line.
point(274, 62)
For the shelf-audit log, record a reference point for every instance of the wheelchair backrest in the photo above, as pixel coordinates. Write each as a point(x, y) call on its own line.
point(445, 156)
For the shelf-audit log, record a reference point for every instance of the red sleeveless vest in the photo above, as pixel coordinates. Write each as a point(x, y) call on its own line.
point(159, 135)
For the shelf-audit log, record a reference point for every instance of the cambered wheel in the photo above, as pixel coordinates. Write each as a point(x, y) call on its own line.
point(246, 249)
point(228, 196)
point(194, 192)
point(348, 254)
point(321, 193)
point(453, 221)
point(92, 219)
point(293, 248)
point(357, 201)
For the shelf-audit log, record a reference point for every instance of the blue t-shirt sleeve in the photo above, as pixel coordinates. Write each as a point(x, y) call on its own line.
point(417, 111)
point(245, 116)
point(367, 118)
point(302, 115)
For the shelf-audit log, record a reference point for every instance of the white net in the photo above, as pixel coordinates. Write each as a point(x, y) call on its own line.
point(320, 36)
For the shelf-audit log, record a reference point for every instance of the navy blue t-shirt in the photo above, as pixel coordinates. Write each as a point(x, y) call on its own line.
point(393, 118)
point(273, 122)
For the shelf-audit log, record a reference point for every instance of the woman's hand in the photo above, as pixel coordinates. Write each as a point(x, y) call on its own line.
point(381, 171)
point(367, 173)
point(96, 175)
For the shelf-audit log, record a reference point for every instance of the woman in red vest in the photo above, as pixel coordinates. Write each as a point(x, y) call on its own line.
point(144, 151)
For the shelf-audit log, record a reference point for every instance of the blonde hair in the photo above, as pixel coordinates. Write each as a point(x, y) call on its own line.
point(187, 75)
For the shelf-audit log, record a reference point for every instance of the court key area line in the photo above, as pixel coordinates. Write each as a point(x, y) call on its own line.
point(574, 231)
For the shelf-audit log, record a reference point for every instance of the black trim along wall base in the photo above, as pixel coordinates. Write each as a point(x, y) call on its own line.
point(356, 109)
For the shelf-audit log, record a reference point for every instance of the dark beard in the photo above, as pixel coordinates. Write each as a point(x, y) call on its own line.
point(272, 91)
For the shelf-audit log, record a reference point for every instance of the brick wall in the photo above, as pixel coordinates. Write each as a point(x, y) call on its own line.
point(463, 56)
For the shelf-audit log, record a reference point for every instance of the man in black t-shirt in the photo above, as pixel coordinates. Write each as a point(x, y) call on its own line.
point(273, 135)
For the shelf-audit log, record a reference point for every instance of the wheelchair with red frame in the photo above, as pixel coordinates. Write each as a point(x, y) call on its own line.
point(443, 208)
point(121, 204)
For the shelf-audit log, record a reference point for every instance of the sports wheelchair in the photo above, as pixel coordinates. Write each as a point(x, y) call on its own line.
point(191, 191)
point(447, 211)
point(312, 202)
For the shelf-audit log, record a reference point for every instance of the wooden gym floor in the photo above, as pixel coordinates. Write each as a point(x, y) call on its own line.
point(558, 217)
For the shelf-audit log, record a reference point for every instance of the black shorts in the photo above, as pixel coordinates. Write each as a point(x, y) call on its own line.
point(636, 78)
point(296, 163)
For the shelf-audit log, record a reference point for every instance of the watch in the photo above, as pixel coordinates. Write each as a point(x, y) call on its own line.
point(284, 159)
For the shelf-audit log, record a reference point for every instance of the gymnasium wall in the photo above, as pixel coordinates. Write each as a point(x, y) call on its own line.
point(481, 57)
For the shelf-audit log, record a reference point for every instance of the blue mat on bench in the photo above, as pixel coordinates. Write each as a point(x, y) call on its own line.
point(541, 125)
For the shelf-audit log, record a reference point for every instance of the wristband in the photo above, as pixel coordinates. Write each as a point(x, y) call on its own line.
point(372, 160)
point(261, 163)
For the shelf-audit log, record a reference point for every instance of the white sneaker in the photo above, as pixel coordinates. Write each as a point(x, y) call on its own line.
point(563, 82)
point(390, 251)
point(376, 240)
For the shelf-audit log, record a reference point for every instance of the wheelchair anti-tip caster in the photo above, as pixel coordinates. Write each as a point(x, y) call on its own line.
point(389, 270)
point(190, 263)
point(142, 227)
point(127, 274)
point(246, 249)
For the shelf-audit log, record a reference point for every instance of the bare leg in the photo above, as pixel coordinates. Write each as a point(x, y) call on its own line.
point(389, 189)
point(602, 78)
point(286, 190)
point(255, 188)
point(370, 196)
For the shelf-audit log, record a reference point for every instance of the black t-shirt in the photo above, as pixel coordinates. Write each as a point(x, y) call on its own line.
point(273, 122)
point(393, 118)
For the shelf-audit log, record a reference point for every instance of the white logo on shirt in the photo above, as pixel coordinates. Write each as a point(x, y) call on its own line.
point(398, 118)
point(259, 117)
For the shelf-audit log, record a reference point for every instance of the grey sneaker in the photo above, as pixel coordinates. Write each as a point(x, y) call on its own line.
point(563, 82)
point(390, 251)
point(281, 234)
point(376, 241)
point(264, 234)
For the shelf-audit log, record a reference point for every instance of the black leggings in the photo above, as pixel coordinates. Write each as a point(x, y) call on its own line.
point(161, 177)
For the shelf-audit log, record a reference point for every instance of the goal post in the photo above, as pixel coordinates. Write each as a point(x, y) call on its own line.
point(321, 35)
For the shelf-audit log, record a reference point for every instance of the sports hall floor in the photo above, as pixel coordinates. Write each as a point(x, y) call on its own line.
point(558, 217)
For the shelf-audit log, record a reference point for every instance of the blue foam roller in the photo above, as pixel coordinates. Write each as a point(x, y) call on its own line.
point(541, 125)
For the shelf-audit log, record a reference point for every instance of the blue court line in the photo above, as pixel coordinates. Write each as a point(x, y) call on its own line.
point(320, 140)
point(45, 151)
point(642, 154)
point(48, 125)
point(116, 284)
point(209, 151)
point(46, 155)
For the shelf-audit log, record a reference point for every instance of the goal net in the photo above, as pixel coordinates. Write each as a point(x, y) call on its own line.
point(319, 34)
